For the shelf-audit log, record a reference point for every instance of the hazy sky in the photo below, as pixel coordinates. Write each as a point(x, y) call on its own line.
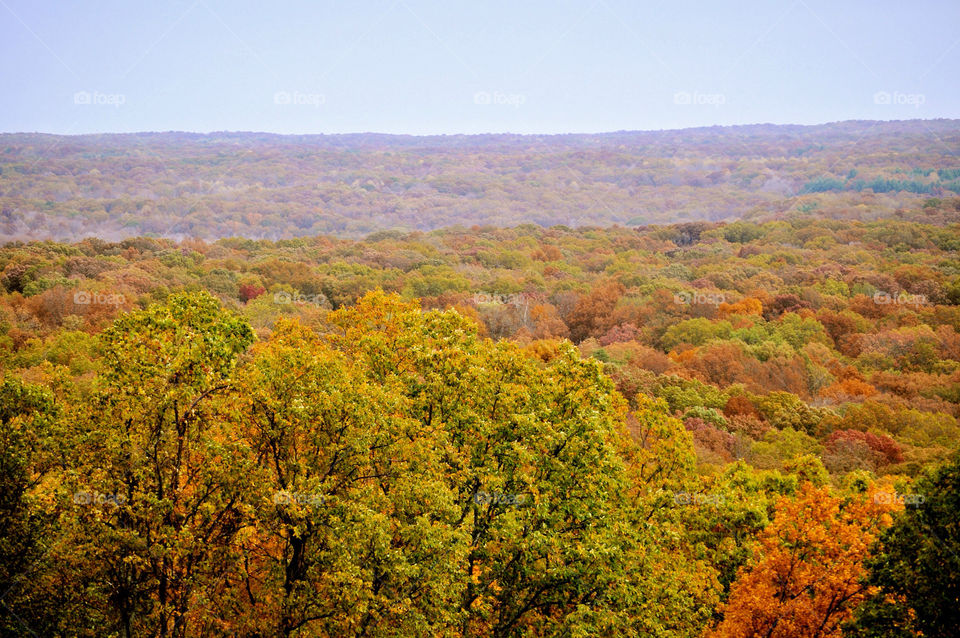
point(434, 66)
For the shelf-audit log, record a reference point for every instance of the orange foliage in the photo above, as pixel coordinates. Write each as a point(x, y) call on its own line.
point(543, 349)
point(809, 574)
point(684, 358)
point(722, 364)
point(739, 405)
point(548, 253)
point(846, 389)
point(748, 306)
point(547, 322)
point(592, 307)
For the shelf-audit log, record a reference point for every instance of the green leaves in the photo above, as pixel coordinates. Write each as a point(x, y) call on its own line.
point(359, 541)
point(187, 342)
point(395, 476)
point(174, 474)
point(916, 566)
point(532, 454)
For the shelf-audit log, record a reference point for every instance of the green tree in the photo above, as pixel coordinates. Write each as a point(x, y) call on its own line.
point(916, 569)
point(533, 452)
point(778, 447)
point(27, 414)
point(157, 482)
point(786, 410)
point(355, 531)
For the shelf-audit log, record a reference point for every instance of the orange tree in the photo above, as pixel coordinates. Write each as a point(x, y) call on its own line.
point(808, 574)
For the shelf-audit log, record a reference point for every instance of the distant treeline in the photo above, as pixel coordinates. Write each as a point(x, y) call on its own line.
point(263, 186)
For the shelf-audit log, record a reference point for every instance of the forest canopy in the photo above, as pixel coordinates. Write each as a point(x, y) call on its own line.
point(608, 385)
point(697, 429)
point(262, 186)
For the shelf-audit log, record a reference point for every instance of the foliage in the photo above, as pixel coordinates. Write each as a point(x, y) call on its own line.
point(807, 576)
point(914, 572)
point(172, 184)
point(191, 443)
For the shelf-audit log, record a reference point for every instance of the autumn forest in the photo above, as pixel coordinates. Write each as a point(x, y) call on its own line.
point(699, 383)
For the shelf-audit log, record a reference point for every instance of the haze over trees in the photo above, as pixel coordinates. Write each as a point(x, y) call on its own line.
point(256, 185)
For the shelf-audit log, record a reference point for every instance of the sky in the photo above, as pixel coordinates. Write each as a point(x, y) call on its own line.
point(446, 66)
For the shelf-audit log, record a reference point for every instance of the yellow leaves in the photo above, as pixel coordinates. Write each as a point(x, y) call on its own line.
point(47, 495)
point(376, 311)
point(664, 451)
point(543, 349)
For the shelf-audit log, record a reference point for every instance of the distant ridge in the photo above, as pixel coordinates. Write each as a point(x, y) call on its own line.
point(271, 186)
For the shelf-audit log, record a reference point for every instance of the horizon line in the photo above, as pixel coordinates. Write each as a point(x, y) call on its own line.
point(484, 134)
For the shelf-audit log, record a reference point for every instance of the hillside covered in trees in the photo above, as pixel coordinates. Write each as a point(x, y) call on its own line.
point(743, 428)
point(419, 319)
point(255, 185)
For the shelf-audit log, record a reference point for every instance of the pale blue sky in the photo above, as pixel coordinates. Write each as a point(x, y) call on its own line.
point(435, 66)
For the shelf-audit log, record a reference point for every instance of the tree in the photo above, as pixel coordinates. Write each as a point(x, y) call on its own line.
point(808, 575)
point(665, 457)
point(355, 527)
point(592, 308)
point(673, 588)
point(777, 447)
point(915, 570)
point(786, 410)
point(728, 513)
point(248, 291)
point(888, 450)
point(695, 332)
point(158, 481)
point(27, 416)
point(533, 454)
point(746, 306)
